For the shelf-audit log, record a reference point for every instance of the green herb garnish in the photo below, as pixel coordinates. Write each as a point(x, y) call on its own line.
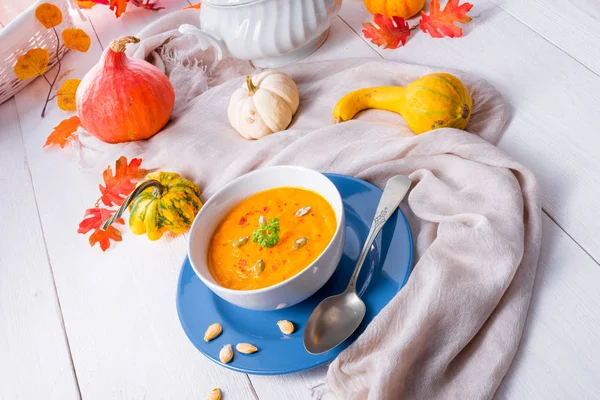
point(267, 234)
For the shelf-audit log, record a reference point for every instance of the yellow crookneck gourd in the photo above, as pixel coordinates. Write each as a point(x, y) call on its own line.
point(434, 101)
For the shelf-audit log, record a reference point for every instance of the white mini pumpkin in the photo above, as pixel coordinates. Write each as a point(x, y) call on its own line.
point(263, 105)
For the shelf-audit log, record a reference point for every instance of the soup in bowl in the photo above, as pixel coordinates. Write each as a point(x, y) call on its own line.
point(270, 238)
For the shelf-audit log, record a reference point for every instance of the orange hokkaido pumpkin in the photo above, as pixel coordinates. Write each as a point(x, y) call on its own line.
point(395, 8)
point(123, 99)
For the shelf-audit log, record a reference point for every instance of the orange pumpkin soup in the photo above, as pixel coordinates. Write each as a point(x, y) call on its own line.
point(246, 252)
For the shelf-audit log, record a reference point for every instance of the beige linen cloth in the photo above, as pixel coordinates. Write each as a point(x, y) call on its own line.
point(453, 330)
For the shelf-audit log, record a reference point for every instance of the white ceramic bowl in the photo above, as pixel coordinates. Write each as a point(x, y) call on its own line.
point(270, 33)
point(292, 290)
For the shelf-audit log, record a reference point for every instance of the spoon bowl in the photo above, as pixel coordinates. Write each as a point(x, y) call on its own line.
point(344, 311)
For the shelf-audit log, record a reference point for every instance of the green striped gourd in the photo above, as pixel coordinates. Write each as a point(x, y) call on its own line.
point(168, 203)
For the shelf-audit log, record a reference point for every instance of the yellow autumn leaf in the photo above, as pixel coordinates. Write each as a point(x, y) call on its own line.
point(48, 14)
point(86, 4)
point(32, 63)
point(76, 39)
point(65, 96)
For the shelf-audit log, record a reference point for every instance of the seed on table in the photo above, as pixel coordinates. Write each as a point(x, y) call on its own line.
point(286, 326)
point(226, 354)
point(259, 267)
point(303, 211)
point(239, 242)
point(246, 348)
point(299, 243)
point(212, 332)
point(214, 394)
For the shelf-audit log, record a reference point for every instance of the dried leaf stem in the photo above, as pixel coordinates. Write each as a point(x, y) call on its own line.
point(55, 76)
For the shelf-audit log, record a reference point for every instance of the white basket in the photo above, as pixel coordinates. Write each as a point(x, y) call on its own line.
point(23, 33)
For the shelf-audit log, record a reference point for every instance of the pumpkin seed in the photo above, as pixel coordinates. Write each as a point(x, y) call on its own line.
point(214, 394)
point(303, 211)
point(212, 332)
point(246, 348)
point(226, 354)
point(239, 242)
point(262, 221)
point(286, 326)
point(259, 267)
point(300, 243)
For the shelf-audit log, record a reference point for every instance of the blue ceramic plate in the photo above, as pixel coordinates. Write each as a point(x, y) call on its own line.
point(386, 271)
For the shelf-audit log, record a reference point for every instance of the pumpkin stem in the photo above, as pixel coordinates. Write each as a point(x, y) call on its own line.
point(251, 88)
point(143, 186)
point(118, 45)
point(464, 112)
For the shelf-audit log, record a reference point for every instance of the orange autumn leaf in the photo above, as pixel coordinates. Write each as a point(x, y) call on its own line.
point(193, 6)
point(65, 96)
point(76, 39)
point(440, 23)
point(32, 63)
point(104, 237)
point(390, 34)
point(63, 133)
point(48, 14)
point(119, 6)
point(118, 186)
point(92, 220)
point(86, 4)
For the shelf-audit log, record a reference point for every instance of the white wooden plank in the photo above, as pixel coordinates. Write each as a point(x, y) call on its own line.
point(307, 385)
point(34, 355)
point(118, 306)
point(573, 25)
point(553, 128)
point(342, 43)
point(559, 356)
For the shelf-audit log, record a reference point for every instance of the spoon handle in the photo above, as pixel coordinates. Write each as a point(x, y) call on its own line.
point(395, 190)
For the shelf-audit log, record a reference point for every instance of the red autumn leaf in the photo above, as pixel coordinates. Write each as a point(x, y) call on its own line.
point(119, 186)
point(388, 35)
point(440, 23)
point(104, 237)
point(92, 220)
point(64, 132)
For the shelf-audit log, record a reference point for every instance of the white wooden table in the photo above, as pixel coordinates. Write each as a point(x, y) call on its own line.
point(78, 323)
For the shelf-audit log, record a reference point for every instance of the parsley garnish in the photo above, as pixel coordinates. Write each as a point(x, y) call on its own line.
point(267, 234)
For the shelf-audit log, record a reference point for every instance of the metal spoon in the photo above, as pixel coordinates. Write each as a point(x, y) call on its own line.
point(337, 317)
